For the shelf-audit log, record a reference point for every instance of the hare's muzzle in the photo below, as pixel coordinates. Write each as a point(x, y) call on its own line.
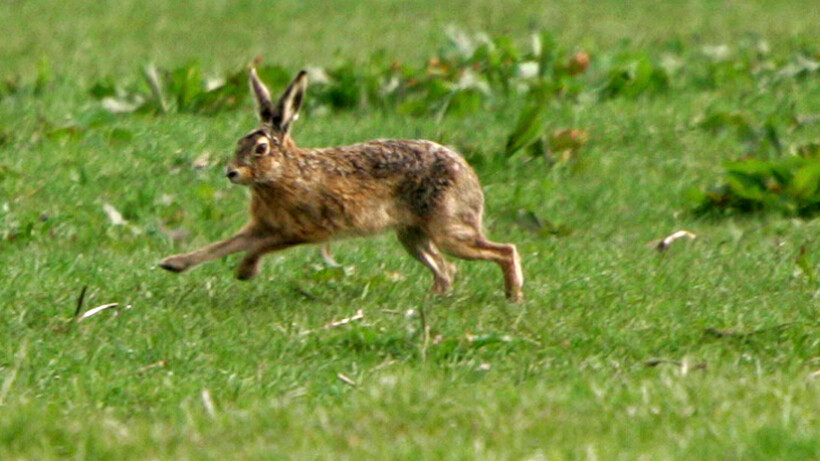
point(231, 173)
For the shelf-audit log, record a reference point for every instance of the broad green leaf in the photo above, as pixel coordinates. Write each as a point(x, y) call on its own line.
point(532, 120)
point(529, 128)
point(806, 181)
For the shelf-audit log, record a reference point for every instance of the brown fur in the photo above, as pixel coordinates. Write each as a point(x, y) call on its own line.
point(427, 193)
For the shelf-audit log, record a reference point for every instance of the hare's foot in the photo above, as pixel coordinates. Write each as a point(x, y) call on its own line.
point(176, 263)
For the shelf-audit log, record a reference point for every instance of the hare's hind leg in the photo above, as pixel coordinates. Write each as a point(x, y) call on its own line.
point(467, 242)
point(419, 245)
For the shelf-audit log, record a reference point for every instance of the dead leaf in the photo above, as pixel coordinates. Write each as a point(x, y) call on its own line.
point(665, 243)
point(568, 140)
point(113, 215)
point(202, 162)
point(578, 64)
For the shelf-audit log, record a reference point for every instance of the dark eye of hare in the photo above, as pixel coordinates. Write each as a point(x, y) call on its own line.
point(260, 149)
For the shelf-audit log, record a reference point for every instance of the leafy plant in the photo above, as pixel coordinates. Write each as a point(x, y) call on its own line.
point(758, 138)
point(184, 89)
point(467, 75)
point(790, 185)
point(633, 74)
point(530, 128)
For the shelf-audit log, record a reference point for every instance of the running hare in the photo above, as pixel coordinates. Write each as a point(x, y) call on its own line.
point(425, 192)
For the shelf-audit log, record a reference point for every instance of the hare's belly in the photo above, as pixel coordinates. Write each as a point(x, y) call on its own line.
point(328, 219)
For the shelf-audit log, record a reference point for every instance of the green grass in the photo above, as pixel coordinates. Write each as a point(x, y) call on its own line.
point(562, 376)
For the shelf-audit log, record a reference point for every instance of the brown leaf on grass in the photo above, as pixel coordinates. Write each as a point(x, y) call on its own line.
point(578, 63)
point(570, 140)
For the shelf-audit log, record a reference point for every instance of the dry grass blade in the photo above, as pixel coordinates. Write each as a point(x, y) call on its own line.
point(685, 366)
point(151, 366)
point(308, 295)
point(153, 79)
point(425, 332)
point(10, 377)
point(327, 256)
point(656, 362)
point(346, 380)
point(357, 316)
point(337, 323)
point(208, 403)
point(744, 334)
point(98, 309)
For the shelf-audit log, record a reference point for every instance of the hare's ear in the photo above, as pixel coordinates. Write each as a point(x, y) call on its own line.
point(262, 95)
point(287, 109)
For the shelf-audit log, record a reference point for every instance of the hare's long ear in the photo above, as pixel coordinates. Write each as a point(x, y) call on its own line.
point(287, 109)
point(262, 95)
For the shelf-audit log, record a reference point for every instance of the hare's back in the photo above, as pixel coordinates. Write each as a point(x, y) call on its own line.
point(419, 173)
point(397, 159)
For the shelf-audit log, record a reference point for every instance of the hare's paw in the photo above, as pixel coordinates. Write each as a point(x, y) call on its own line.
point(177, 263)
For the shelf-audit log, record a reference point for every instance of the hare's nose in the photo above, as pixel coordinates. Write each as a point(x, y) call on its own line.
point(231, 173)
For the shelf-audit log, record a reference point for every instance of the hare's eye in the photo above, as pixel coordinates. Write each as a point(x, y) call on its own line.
point(260, 149)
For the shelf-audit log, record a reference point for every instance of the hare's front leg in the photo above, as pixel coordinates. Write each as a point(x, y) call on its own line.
point(249, 266)
point(242, 241)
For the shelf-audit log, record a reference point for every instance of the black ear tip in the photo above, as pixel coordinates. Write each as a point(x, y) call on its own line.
point(302, 74)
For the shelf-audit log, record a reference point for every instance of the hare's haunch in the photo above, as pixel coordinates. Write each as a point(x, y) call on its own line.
point(425, 192)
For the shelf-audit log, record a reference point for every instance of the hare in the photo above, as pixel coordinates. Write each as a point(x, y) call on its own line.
point(425, 192)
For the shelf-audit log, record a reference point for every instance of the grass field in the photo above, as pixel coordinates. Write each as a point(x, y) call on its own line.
point(709, 350)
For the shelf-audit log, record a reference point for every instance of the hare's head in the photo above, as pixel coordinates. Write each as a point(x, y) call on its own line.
point(260, 152)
